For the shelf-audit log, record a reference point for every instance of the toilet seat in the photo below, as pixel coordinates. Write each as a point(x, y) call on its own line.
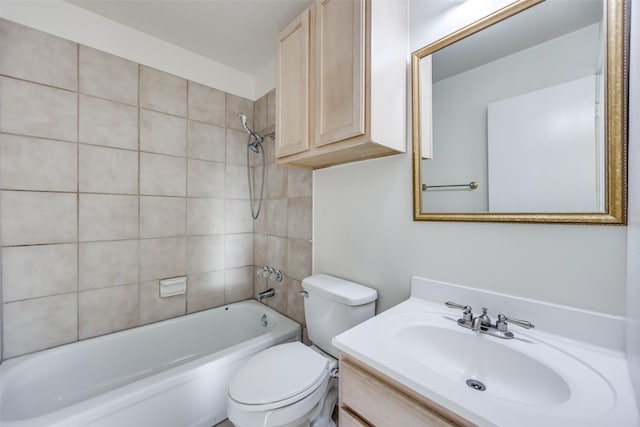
point(278, 376)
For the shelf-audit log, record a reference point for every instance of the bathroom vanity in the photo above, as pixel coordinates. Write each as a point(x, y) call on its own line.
point(368, 397)
point(421, 363)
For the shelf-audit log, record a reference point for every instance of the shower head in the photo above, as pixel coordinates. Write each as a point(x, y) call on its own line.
point(243, 121)
point(254, 146)
point(256, 139)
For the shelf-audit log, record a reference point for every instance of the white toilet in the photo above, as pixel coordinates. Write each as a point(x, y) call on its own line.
point(292, 385)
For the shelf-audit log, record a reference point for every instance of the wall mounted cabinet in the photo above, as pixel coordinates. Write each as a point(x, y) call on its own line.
point(293, 91)
point(341, 85)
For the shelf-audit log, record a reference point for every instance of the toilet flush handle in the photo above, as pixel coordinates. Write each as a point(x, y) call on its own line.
point(304, 294)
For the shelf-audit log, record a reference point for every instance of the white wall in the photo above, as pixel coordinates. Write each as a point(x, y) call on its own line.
point(73, 23)
point(537, 164)
point(363, 227)
point(265, 79)
point(633, 233)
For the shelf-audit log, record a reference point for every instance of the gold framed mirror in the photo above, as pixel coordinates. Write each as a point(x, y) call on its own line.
point(483, 146)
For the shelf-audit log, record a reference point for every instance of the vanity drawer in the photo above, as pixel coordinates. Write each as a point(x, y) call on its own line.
point(381, 404)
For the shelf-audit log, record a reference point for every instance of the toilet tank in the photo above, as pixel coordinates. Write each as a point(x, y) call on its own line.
point(334, 305)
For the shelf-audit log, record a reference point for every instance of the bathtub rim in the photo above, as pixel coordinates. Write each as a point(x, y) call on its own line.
point(102, 404)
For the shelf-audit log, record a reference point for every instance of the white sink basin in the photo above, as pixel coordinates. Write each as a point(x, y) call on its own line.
point(535, 379)
point(522, 370)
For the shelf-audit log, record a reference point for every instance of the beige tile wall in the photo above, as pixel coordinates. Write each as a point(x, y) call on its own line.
point(282, 233)
point(113, 176)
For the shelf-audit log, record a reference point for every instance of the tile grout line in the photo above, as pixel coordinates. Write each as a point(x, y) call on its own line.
point(251, 171)
point(224, 210)
point(77, 192)
point(139, 245)
point(46, 85)
point(186, 202)
point(81, 93)
point(31, 298)
point(41, 138)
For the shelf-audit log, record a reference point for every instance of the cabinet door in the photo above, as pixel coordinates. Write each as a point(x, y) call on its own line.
point(381, 404)
point(340, 67)
point(348, 419)
point(292, 92)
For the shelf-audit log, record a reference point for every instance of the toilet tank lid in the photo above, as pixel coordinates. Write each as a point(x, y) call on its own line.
point(339, 290)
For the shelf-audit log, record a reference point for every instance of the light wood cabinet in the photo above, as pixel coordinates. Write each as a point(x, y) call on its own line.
point(340, 81)
point(293, 90)
point(349, 419)
point(368, 398)
point(352, 55)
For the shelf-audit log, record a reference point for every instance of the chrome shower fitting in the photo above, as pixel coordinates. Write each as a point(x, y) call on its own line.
point(266, 294)
point(254, 146)
point(270, 273)
point(256, 139)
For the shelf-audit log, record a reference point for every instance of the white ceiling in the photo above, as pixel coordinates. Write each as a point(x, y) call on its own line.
point(541, 23)
point(241, 33)
point(238, 33)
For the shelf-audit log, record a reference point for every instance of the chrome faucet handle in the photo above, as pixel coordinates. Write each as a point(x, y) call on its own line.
point(467, 315)
point(264, 271)
point(501, 323)
point(278, 276)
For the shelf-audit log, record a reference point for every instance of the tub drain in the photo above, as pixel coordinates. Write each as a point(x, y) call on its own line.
point(476, 385)
point(264, 320)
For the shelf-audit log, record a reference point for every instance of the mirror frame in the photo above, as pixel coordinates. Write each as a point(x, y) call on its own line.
point(615, 127)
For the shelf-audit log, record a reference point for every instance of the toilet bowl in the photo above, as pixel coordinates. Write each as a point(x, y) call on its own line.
point(294, 385)
point(287, 385)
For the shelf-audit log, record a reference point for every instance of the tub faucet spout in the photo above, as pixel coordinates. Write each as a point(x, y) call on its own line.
point(266, 294)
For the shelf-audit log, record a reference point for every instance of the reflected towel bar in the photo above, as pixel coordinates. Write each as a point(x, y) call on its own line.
point(472, 185)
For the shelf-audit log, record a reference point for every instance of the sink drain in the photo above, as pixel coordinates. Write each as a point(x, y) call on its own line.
point(476, 385)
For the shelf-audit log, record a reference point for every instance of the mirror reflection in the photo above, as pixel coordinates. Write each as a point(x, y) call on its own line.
point(513, 117)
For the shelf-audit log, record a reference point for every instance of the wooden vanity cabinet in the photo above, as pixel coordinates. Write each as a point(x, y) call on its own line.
point(341, 83)
point(368, 398)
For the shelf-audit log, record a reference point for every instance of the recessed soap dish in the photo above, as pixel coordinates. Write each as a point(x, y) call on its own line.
point(173, 286)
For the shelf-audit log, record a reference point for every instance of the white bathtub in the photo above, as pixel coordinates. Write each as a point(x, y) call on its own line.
point(173, 373)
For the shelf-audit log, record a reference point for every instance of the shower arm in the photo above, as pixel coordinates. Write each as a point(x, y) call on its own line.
point(243, 121)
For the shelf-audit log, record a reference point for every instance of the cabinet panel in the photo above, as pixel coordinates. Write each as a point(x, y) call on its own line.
point(348, 419)
point(380, 404)
point(293, 87)
point(341, 70)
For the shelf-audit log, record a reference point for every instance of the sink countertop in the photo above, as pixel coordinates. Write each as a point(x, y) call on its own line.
point(612, 404)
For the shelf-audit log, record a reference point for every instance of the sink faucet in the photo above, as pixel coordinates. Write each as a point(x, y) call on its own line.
point(476, 324)
point(482, 324)
point(482, 321)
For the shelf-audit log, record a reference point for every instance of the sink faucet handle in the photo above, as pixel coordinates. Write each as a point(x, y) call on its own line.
point(501, 324)
point(452, 304)
point(467, 316)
